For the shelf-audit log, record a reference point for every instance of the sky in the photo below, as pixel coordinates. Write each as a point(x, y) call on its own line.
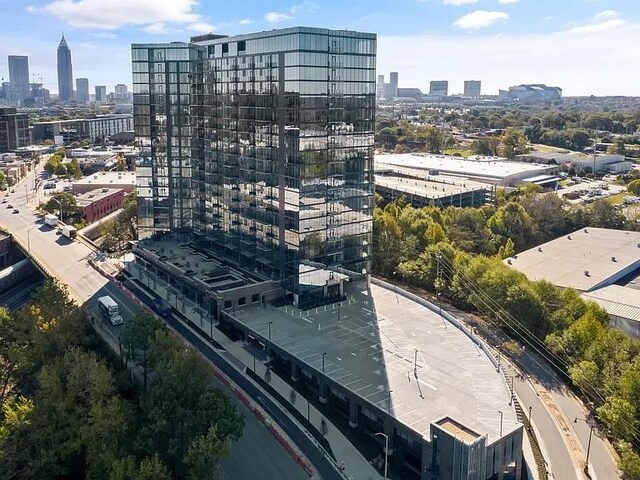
point(586, 47)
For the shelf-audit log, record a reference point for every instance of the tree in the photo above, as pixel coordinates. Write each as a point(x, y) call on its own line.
point(139, 335)
point(179, 405)
point(507, 250)
point(619, 415)
point(63, 200)
point(629, 461)
point(513, 143)
point(204, 454)
point(152, 468)
point(73, 169)
point(3, 178)
point(435, 139)
point(77, 422)
point(61, 170)
point(618, 147)
point(634, 187)
point(512, 221)
point(604, 214)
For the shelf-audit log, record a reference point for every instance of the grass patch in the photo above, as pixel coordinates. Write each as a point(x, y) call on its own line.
point(618, 198)
point(547, 148)
point(463, 152)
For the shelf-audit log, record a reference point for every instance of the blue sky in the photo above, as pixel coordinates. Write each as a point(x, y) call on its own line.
point(584, 46)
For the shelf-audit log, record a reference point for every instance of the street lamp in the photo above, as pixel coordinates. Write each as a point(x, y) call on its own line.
point(323, 355)
point(386, 451)
point(501, 418)
point(60, 205)
point(586, 465)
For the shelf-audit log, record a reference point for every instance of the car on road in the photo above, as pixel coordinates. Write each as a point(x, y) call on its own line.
point(15, 210)
point(9, 206)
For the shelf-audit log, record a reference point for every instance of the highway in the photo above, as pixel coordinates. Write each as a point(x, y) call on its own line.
point(68, 262)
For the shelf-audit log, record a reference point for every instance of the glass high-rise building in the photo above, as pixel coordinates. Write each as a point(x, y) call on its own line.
point(19, 74)
point(82, 90)
point(162, 84)
point(65, 71)
point(261, 146)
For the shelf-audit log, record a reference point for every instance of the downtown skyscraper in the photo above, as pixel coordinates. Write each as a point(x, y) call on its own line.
point(260, 146)
point(65, 71)
point(19, 74)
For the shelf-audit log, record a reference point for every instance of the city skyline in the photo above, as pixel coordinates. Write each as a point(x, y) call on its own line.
point(502, 42)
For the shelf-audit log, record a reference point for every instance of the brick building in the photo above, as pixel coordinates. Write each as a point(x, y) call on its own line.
point(100, 202)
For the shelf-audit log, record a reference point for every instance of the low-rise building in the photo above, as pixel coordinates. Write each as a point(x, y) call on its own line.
point(602, 264)
point(488, 170)
point(99, 203)
point(580, 161)
point(125, 181)
point(68, 131)
point(421, 189)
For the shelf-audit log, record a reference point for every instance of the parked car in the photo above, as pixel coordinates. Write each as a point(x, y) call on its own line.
point(15, 210)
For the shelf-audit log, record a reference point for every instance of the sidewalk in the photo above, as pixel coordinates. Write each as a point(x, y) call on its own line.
point(356, 466)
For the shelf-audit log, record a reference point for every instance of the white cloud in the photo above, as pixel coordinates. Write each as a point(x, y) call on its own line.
point(202, 27)
point(304, 7)
point(606, 14)
point(112, 14)
point(597, 27)
point(480, 19)
point(514, 58)
point(245, 21)
point(158, 28)
point(458, 3)
point(507, 2)
point(276, 17)
point(308, 7)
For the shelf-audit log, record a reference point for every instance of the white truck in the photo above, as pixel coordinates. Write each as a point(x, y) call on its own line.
point(109, 310)
point(51, 220)
point(70, 232)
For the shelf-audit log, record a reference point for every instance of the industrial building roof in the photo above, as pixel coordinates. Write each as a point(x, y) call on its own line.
point(107, 178)
point(428, 188)
point(585, 260)
point(617, 300)
point(497, 170)
point(397, 355)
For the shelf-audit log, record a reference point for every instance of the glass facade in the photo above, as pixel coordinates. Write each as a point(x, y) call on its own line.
point(161, 102)
point(281, 152)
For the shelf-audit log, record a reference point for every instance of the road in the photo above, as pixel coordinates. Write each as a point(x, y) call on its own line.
point(601, 461)
point(554, 407)
point(67, 261)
